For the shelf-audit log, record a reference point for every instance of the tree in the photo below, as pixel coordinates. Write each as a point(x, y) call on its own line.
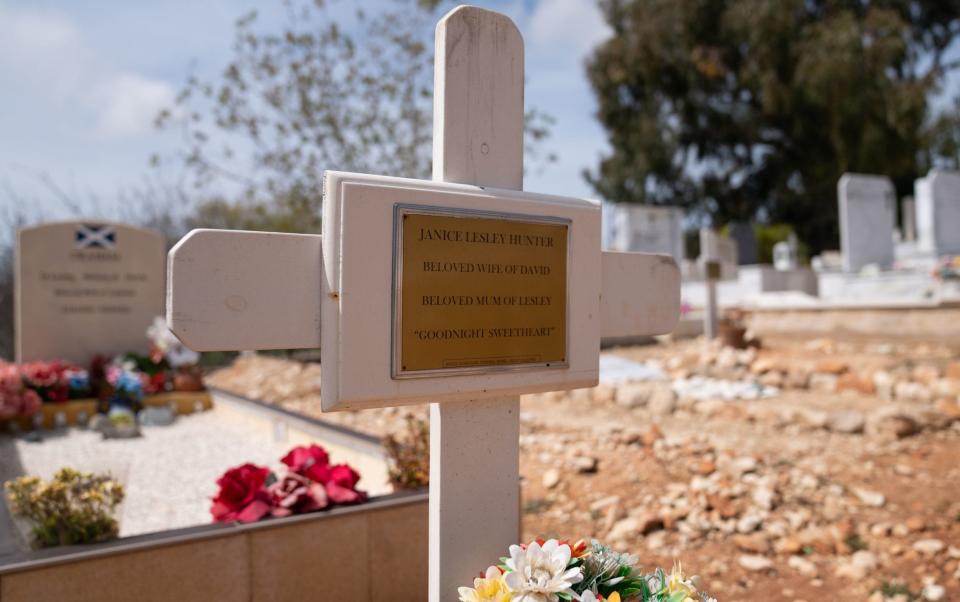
point(337, 88)
point(751, 109)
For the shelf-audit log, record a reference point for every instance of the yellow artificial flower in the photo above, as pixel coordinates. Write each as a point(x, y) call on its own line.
point(614, 597)
point(489, 588)
point(676, 583)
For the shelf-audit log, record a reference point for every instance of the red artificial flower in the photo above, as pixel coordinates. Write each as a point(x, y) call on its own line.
point(155, 383)
point(295, 494)
point(341, 485)
point(302, 458)
point(340, 481)
point(243, 495)
point(578, 549)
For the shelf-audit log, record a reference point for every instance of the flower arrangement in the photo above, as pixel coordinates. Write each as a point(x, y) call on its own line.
point(73, 508)
point(127, 385)
point(248, 493)
point(550, 571)
point(166, 347)
point(15, 398)
point(51, 380)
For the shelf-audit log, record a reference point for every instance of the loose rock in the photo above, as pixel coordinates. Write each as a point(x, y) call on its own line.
point(755, 562)
point(846, 421)
point(930, 547)
point(551, 478)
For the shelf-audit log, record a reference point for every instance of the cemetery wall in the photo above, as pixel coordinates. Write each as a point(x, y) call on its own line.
point(375, 552)
point(941, 324)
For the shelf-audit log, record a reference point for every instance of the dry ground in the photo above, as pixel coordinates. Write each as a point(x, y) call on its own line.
point(771, 499)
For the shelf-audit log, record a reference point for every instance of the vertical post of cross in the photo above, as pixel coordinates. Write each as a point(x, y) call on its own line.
point(474, 445)
point(711, 311)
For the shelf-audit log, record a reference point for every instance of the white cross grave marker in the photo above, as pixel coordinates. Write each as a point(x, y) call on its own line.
point(464, 292)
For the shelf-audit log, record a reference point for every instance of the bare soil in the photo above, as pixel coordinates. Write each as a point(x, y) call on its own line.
point(750, 495)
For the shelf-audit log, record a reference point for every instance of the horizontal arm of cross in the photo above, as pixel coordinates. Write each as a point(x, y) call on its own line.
point(231, 290)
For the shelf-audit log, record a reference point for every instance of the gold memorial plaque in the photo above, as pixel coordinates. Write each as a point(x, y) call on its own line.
point(477, 292)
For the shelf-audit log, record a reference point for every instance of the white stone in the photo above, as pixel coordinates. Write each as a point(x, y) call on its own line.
point(754, 562)
point(846, 421)
point(624, 529)
point(551, 478)
point(933, 592)
point(867, 219)
point(930, 547)
point(663, 401)
point(874, 499)
point(802, 566)
point(749, 523)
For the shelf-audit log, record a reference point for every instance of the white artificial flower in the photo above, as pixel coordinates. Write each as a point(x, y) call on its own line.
point(539, 573)
point(163, 339)
point(588, 596)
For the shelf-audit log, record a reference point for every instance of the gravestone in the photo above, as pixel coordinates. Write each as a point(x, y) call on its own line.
point(938, 212)
point(785, 254)
point(86, 288)
point(463, 291)
point(645, 229)
point(908, 219)
point(867, 220)
point(745, 239)
point(714, 247)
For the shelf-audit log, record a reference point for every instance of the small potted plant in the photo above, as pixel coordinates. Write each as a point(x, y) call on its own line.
point(408, 455)
point(73, 508)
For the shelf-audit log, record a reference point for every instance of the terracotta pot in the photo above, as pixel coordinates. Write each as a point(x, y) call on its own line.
point(188, 378)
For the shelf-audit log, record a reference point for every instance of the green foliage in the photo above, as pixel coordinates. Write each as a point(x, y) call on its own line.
point(335, 88)
point(770, 234)
point(536, 505)
point(892, 589)
point(750, 109)
point(73, 508)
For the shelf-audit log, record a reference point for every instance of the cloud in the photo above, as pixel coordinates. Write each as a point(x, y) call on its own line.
point(128, 103)
point(44, 56)
point(567, 27)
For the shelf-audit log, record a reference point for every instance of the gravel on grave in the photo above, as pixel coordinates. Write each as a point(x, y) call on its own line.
point(170, 472)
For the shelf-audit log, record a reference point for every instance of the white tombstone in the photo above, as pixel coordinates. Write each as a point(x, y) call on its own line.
point(867, 220)
point(86, 288)
point(644, 229)
point(714, 247)
point(938, 212)
point(908, 219)
point(399, 293)
point(785, 254)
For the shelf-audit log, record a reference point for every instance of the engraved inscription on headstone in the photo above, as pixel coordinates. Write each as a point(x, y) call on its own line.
point(86, 288)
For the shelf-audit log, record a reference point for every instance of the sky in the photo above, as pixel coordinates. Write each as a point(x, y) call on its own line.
point(81, 83)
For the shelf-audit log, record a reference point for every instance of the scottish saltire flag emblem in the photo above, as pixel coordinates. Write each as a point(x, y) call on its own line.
point(89, 236)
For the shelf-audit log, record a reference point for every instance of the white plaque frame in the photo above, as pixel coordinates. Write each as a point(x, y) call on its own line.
point(357, 292)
